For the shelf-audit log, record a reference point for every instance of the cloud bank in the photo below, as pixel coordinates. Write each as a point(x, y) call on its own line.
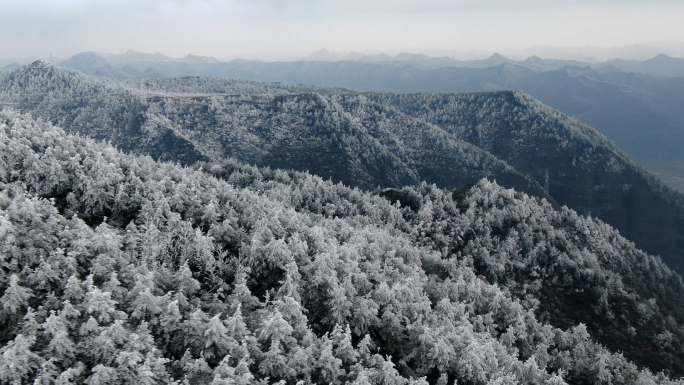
point(227, 28)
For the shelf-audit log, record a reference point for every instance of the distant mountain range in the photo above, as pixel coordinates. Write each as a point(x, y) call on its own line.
point(594, 54)
point(660, 64)
point(417, 60)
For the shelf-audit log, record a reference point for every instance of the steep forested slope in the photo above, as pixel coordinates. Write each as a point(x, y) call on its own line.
point(367, 141)
point(638, 111)
point(552, 262)
point(117, 269)
point(580, 168)
point(342, 136)
point(109, 110)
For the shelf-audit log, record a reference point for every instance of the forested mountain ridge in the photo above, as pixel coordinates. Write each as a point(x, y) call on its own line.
point(640, 112)
point(342, 137)
point(579, 167)
point(117, 268)
point(369, 141)
point(206, 85)
point(332, 133)
point(109, 110)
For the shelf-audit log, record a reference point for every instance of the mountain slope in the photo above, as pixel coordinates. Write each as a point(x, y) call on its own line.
point(118, 269)
point(92, 64)
point(340, 136)
point(662, 65)
point(105, 109)
point(379, 140)
point(580, 168)
point(639, 112)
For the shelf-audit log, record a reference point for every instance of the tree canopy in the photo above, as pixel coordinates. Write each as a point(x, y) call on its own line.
point(117, 269)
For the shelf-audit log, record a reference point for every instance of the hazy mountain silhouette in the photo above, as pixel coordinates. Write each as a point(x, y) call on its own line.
point(93, 64)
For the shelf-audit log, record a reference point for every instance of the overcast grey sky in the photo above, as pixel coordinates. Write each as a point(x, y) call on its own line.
point(227, 28)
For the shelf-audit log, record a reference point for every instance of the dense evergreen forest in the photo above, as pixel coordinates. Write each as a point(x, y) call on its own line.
point(119, 269)
point(219, 231)
point(364, 140)
point(579, 167)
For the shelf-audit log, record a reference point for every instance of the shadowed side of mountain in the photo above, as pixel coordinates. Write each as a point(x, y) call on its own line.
point(579, 166)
